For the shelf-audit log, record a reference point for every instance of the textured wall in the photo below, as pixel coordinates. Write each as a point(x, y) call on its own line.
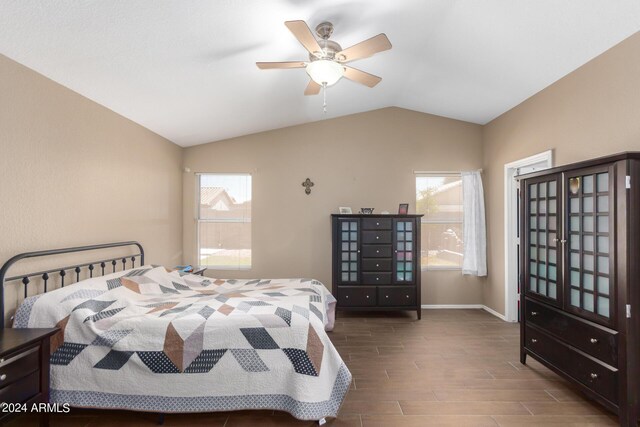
point(589, 113)
point(363, 160)
point(76, 173)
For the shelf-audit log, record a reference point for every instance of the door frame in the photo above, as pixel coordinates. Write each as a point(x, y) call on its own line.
point(510, 222)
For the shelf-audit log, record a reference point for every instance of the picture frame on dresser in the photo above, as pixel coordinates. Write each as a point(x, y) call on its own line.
point(376, 262)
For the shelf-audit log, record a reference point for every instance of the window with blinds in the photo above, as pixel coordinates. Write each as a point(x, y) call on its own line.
point(439, 198)
point(224, 221)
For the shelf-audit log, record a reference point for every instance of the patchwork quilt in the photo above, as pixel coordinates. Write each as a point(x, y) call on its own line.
point(151, 340)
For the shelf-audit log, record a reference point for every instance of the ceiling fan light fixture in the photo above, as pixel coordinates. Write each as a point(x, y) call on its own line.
point(324, 71)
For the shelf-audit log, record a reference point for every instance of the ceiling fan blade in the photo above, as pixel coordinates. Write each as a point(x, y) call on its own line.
point(303, 33)
point(287, 64)
point(361, 77)
point(313, 88)
point(365, 48)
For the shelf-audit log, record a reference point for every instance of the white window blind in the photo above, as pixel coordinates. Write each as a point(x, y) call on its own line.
point(439, 198)
point(224, 221)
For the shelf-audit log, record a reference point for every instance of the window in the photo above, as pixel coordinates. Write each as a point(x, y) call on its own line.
point(439, 198)
point(224, 221)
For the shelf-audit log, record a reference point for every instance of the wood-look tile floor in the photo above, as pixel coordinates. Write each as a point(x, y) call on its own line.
point(452, 368)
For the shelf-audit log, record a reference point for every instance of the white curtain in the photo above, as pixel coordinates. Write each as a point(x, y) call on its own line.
point(474, 260)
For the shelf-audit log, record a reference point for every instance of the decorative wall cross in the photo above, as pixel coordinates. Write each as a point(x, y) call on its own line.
point(307, 184)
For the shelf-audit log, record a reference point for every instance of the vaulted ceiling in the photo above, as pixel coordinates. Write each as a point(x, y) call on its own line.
point(186, 69)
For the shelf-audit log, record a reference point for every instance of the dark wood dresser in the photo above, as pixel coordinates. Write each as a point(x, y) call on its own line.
point(376, 262)
point(24, 368)
point(580, 249)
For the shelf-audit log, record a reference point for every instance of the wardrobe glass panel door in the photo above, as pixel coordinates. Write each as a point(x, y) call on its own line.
point(590, 249)
point(542, 211)
point(404, 251)
point(348, 235)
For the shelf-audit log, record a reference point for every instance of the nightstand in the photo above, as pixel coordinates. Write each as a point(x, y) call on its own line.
point(24, 369)
point(196, 269)
point(199, 270)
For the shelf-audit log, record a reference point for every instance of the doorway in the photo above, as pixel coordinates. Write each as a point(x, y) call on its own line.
point(512, 225)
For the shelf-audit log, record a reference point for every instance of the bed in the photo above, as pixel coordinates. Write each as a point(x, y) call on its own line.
point(148, 339)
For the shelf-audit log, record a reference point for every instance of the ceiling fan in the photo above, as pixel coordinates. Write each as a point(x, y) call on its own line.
point(327, 59)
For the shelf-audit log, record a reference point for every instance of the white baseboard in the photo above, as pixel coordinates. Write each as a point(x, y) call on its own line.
point(495, 313)
point(464, 306)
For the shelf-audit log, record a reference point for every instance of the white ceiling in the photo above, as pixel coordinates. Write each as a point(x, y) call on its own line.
point(185, 69)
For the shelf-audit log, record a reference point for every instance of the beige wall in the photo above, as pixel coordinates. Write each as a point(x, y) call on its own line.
point(75, 173)
point(363, 160)
point(593, 111)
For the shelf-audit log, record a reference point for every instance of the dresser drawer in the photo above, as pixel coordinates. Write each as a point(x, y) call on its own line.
point(588, 337)
point(376, 278)
point(379, 237)
point(397, 296)
point(18, 365)
point(592, 374)
point(376, 264)
point(376, 251)
point(21, 390)
point(376, 223)
point(356, 296)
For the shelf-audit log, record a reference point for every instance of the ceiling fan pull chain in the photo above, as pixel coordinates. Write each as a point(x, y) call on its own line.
point(324, 98)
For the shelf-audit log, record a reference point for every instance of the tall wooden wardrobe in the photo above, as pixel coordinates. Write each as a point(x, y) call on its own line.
point(580, 277)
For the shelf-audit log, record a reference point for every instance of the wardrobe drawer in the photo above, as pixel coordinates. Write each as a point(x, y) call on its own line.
point(376, 251)
point(592, 374)
point(376, 278)
point(378, 237)
point(356, 296)
point(396, 296)
point(22, 389)
point(376, 264)
point(588, 337)
point(376, 223)
point(18, 365)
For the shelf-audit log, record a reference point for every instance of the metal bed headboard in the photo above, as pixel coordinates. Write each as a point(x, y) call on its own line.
point(62, 271)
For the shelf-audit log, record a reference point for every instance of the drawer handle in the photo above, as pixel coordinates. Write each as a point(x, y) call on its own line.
point(593, 376)
point(377, 265)
point(367, 296)
point(534, 313)
point(377, 278)
point(407, 296)
point(533, 340)
point(3, 377)
point(347, 297)
point(377, 251)
point(377, 237)
point(593, 341)
point(386, 296)
point(377, 223)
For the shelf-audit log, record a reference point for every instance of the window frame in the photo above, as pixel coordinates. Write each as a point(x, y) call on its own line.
point(427, 174)
point(199, 220)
